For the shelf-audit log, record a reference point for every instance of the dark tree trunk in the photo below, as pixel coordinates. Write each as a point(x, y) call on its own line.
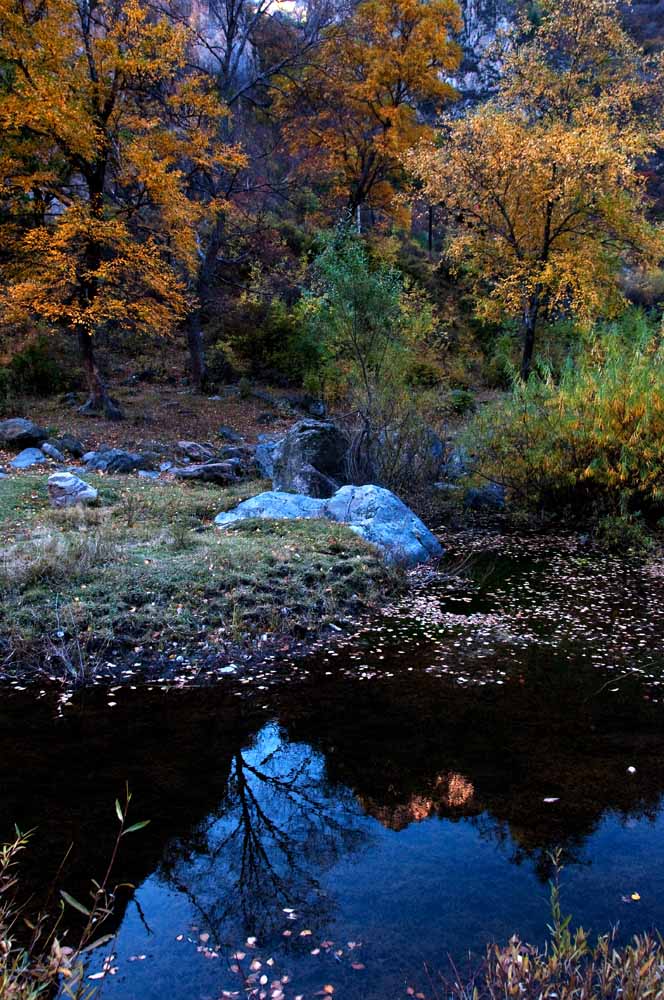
point(430, 233)
point(99, 402)
point(529, 327)
point(196, 350)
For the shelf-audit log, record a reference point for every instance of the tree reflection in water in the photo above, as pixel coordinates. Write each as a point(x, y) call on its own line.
point(279, 828)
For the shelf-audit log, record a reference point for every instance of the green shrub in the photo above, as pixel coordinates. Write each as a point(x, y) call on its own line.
point(36, 371)
point(461, 401)
point(591, 443)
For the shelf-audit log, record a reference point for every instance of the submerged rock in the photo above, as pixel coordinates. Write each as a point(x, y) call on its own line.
point(66, 490)
point(27, 458)
point(371, 511)
point(17, 433)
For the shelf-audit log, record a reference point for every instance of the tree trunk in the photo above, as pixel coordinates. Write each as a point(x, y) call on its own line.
point(99, 402)
point(529, 326)
point(196, 351)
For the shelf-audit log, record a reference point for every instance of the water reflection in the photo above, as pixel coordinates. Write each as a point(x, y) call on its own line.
point(255, 809)
point(279, 827)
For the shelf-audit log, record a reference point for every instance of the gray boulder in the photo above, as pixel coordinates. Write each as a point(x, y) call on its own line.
point(27, 458)
point(310, 459)
point(52, 452)
point(382, 519)
point(371, 511)
point(115, 460)
point(228, 434)
point(209, 472)
point(266, 449)
point(18, 433)
point(70, 444)
point(66, 490)
point(490, 497)
point(274, 505)
point(195, 451)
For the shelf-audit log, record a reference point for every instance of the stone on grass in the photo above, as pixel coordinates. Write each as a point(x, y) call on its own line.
point(266, 449)
point(310, 447)
point(70, 444)
point(209, 472)
point(17, 433)
point(381, 518)
point(195, 451)
point(107, 459)
point(276, 506)
point(66, 490)
point(228, 434)
point(27, 458)
point(372, 512)
point(52, 452)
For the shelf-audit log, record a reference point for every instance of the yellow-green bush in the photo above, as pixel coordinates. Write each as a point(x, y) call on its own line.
point(593, 442)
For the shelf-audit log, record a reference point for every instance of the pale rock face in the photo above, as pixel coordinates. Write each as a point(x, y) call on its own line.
point(66, 490)
point(483, 22)
point(372, 512)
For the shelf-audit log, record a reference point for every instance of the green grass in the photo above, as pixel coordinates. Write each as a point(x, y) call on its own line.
point(146, 572)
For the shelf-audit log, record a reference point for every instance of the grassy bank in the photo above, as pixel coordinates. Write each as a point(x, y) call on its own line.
point(145, 577)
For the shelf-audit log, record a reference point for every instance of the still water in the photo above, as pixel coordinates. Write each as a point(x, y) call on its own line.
point(367, 814)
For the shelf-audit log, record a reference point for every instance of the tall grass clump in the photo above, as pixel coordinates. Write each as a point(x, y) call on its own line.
point(569, 967)
point(589, 444)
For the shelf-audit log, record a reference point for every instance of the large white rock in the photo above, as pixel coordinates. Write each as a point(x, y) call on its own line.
point(372, 512)
point(65, 490)
point(27, 458)
point(384, 520)
point(276, 506)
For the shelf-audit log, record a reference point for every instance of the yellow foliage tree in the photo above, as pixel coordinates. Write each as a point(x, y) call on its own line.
point(541, 186)
point(104, 135)
point(352, 114)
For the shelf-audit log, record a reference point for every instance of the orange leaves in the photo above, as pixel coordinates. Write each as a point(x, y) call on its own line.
point(104, 129)
point(355, 111)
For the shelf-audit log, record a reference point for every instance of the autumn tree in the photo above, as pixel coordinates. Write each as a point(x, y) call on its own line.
point(541, 186)
point(352, 114)
point(104, 134)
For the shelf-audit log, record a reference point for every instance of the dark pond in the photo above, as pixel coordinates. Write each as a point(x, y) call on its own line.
point(390, 802)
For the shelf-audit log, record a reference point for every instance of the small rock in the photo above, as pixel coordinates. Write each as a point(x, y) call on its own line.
point(107, 459)
point(196, 452)
point(489, 497)
point(147, 474)
point(209, 472)
point(17, 433)
point(228, 434)
point(165, 466)
point(52, 452)
point(27, 458)
point(65, 490)
point(70, 444)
